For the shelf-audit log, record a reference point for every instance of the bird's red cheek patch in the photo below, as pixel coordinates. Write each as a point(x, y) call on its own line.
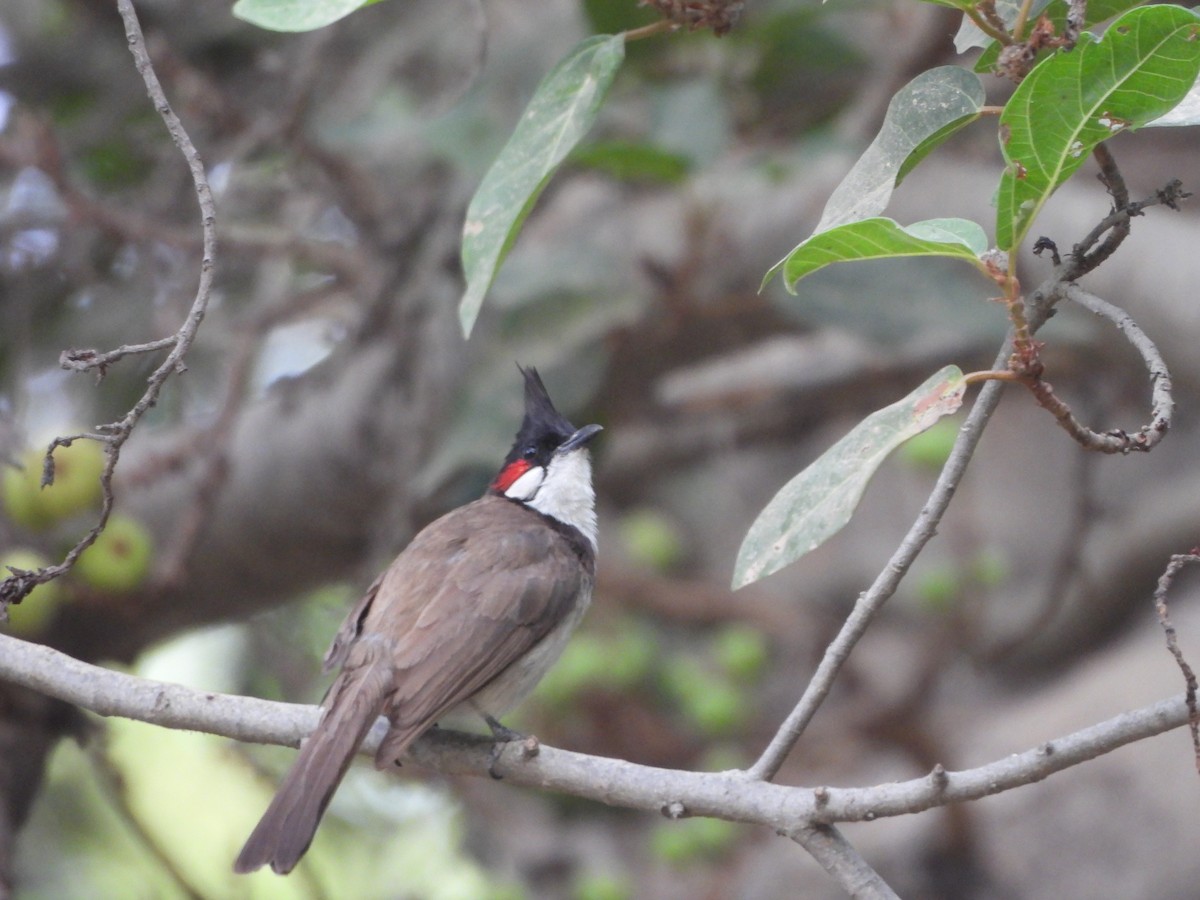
point(509, 474)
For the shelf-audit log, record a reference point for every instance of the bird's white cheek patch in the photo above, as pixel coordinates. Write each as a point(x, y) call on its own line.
point(527, 485)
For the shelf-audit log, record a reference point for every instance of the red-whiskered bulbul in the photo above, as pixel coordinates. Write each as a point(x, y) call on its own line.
point(471, 613)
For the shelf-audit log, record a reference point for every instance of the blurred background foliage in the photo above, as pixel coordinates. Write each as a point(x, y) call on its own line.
point(338, 159)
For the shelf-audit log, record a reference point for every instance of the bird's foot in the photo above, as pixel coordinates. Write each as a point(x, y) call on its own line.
point(505, 736)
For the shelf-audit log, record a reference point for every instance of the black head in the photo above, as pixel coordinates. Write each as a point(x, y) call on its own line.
point(544, 432)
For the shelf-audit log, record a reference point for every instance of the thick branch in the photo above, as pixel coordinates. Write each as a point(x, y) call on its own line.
point(728, 795)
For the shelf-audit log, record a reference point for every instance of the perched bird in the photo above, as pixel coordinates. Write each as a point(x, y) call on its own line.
point(471, 614)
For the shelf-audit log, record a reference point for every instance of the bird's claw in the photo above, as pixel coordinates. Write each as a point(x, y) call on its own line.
point(505, 736)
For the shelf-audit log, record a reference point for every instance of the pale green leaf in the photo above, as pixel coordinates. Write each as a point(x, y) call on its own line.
point(818, 502)
point(920, 116)
point(562, 110)
point(295, 15)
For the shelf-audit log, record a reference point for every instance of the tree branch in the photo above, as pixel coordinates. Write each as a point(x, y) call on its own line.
point(1162, 403)
point(727, 795)
point(925, 526)
point(1179, 561)
point(841, 860)
point(114, 435)
point(886, 583)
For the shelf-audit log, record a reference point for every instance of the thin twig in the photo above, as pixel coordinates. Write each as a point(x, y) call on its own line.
point(89, 360)
point(662, 26)
point(115, 434)
point(1162, 404)
point(1189, 677)
point(1026, 361)
point(1018, 28)
point(872, 600)
point(1086, 256)
point(987, 9)
point(1035, 311)
point(987, 20)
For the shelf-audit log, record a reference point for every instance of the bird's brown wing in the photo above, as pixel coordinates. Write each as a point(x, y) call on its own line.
point(350, 629)
point(469, 597)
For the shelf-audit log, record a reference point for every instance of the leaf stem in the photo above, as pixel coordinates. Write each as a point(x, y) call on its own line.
point(659, 27)
point(1018, 28)
point(996, 34)
point(992, 375)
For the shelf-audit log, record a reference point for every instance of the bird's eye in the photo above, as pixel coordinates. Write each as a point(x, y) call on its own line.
point(530, 452)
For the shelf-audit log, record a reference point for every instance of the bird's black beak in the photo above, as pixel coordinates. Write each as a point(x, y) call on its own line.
point(578, 439)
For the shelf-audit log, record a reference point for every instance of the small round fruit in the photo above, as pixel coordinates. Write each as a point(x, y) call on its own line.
point(742, 651)
point(990, 568)
point(76, 487)
point(939, 588)
point(651, 539)
point(633, 656)
point(931, 448)
point(23, 496)
point(584, 664)
point(692, 839)
point(120, 559)
point(672, 844)
point(602, 887)
point(28, 619)
point(716, 708)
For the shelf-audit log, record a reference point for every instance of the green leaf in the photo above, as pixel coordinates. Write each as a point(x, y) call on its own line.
point(295, 15)
point(1145, 64)
point(814, 505)
point(920, 116)
point(562, 110)
point(881, 239)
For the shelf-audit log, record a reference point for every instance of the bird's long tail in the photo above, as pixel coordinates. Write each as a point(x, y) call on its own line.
point(287, 827)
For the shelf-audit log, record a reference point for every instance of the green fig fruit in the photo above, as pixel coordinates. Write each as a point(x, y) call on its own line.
point(119, 560)
point(29, 618)
point(76, 485)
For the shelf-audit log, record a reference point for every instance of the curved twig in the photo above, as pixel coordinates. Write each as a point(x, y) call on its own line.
point(1179, 561)
point(1162, 404)
point(1115, 227)
point(115, 434)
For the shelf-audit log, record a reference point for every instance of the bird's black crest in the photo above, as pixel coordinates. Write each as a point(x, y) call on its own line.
point(544, 427)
